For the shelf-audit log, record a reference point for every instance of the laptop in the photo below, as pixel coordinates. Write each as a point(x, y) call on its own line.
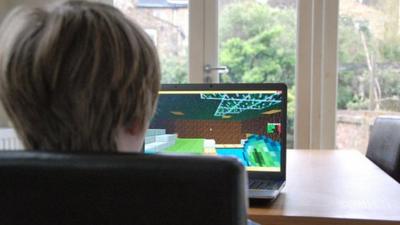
point(245, 121)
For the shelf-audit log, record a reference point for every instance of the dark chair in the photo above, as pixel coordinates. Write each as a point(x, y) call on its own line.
point(384, 145)
point(120, 189)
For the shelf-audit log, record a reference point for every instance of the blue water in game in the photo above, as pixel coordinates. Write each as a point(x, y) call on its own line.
point(234, 152)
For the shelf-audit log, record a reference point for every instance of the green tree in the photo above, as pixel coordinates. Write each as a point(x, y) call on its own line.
point(258, 43)
point(367, 62)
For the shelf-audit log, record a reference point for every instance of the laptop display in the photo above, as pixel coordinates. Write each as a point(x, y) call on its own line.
point(246, 124)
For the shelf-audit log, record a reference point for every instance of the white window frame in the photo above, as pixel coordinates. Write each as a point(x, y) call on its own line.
point(316, 67)
point(316, 74)
point(203, 40)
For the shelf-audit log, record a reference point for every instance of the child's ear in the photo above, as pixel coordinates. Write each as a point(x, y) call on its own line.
point(134, 129)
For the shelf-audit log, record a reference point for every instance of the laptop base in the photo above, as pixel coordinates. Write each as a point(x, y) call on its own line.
point(266, 193)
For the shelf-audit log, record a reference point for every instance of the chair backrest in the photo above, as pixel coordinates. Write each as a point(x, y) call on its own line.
point(120, 189)
point(384, 145)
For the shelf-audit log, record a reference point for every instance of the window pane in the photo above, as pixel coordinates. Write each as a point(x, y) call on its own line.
point(167, 23)
point(257, 42)
point(369, 69)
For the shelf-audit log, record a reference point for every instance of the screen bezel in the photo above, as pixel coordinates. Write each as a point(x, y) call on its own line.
point(281, 175)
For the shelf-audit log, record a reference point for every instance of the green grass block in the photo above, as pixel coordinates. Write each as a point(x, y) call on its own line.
point(187, 145)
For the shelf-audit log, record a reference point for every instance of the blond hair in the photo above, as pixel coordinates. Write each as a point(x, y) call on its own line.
point(72, 73)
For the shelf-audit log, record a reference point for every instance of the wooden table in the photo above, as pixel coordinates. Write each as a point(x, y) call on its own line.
point(332, 187)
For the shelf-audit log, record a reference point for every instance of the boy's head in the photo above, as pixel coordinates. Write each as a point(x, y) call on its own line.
point(77, 76)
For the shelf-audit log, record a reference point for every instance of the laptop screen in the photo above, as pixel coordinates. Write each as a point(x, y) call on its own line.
point(246, 124)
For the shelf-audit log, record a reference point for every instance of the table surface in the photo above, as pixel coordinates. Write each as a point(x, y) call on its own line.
point(332, 187)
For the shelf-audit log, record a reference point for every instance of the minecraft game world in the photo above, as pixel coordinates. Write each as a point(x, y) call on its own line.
point(241, 124)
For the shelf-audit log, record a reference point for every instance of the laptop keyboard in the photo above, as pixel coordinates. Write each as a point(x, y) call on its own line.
point(263, 184)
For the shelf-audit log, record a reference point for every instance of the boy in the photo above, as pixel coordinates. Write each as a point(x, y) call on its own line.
point(77, 76)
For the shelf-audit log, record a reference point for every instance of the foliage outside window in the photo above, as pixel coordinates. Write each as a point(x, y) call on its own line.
point(369, 70)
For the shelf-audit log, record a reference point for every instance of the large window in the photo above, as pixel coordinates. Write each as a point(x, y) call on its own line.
point(256, 41)
point(369, 69)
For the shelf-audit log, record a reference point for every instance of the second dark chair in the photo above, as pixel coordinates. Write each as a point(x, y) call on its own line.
point(384, 145)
